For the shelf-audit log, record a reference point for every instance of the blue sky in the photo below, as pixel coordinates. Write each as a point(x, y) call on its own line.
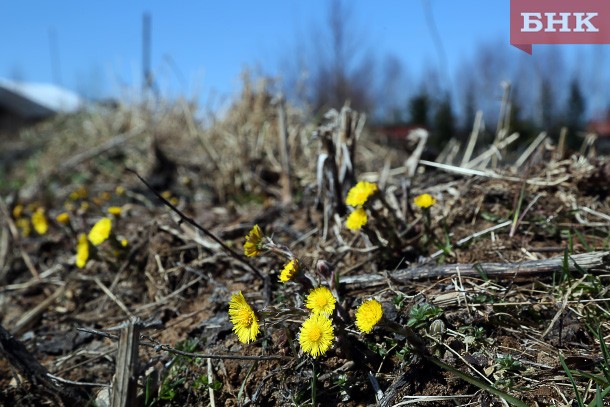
point(199, 48)
point(210, 42)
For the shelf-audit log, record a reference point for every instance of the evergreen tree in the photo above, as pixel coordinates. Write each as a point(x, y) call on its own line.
point(547, 106)
point(575, 108)
point(444, 120)
point(419, 109)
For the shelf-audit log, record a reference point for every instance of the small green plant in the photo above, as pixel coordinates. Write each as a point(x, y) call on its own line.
point(180, 371)
point(508, 363)
point(420, 314)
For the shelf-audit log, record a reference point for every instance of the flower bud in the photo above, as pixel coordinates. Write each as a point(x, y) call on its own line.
point(437, 328)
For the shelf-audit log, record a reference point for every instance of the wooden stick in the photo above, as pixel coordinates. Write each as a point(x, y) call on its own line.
point(124, 384)
point(561, 145)
point(530, 149)
point(591, 262)
point(472, 140)
point(15, 234)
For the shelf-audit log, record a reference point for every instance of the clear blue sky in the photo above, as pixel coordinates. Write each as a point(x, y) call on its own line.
point(202, 46)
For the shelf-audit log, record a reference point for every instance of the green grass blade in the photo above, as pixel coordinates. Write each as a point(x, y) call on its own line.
point(569, 373)
point(582, 240)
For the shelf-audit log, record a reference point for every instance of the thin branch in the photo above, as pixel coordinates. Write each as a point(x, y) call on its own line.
point(167, 348)
point(203, 230)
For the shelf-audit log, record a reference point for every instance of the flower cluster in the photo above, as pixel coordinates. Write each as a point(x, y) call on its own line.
point(101, 232)
point(31, 216)
point(357, 196)
point(360, 193)
point(317, 331)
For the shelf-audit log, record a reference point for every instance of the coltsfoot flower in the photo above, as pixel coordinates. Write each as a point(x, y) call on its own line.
point(289, 271)
point(82, 251)
point(100, 232)
point(24, 226)
point(356, 220)
point(360, 193)
point(254, 242)
point(316, 335)
point(424, 201)
point(245, 322)
point(63, 218)
point(39, 221)
point(17, 211)
point(369, 313)
point(115, 210)
point(321, 301)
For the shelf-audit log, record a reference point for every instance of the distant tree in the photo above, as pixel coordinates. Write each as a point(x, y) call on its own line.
point(391, 93)
point(546, 106)
point(470, 108)
point(333, 61)
point(444, 119)
point(575, 107)
point(519, 123)
point(419, 109)
point(338, 66)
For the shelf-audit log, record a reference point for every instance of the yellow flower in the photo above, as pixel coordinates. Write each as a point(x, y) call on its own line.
point(356, 219)
point(63, 218)
point(254, 242)
point(289, 271)
point(24, 226)
point(316, 335)
point(100, 232)
point(17, 211)
point(39, 221)
point(424, 201)
point(360, 193)
point(115, 210)
point(243, 318)
point(119, 190)
point(79, 193)
point(82, 251)
point(368, 315)
point(321, 301)
point(124, 242)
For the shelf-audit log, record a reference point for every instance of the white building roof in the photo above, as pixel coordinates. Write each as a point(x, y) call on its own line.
point(37, 100)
